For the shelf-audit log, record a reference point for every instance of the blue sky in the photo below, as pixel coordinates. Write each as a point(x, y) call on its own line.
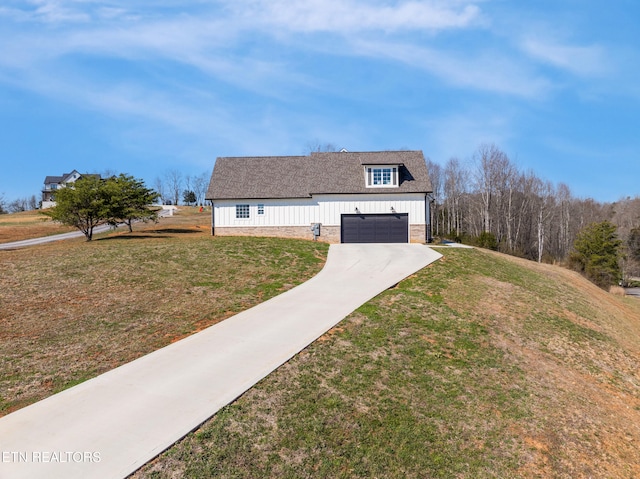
point(146, 87)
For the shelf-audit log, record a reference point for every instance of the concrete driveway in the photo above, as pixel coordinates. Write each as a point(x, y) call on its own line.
point(111, 425)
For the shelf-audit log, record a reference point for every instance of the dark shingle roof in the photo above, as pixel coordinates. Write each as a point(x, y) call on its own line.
point(59, 179)
point(53, 179)
point(304, 176)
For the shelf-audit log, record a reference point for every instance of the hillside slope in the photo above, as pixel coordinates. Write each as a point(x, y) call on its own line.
point(481, 365)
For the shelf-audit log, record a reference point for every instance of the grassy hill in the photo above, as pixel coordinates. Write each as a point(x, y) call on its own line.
point(73, 309)
point(481, 365)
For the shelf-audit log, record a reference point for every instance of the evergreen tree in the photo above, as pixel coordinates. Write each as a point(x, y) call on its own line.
point(91, 201)
point(189, 197)
point(130, 200)
point(85, 205)
point(596, 254)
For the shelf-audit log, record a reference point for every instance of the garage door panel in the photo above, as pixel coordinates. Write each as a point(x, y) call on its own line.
point(375, 228)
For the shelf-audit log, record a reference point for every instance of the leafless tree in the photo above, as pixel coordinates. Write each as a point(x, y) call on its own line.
point(492, 167)
point(159, 187)
point(174, 184)
point(455, 189)
point(542, 213)
point(565, 236)
point(22, 204)
point(200, 186)
point(435, 176)
point(316, 146)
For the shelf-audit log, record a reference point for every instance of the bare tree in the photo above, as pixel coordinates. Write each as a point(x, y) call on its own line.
point(200, 186)
point(435, 176)
point(563, 205)
point(491, 162)
point(174, 184)
point(543, 212)
point(158, 185)
point(455, 189)
point(22, 204)
point(316, 146)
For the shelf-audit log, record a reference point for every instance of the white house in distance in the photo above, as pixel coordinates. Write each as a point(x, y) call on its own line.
point(54, 183)
point(343, 197)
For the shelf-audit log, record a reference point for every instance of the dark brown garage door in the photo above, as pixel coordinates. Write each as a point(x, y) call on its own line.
point(377, 228)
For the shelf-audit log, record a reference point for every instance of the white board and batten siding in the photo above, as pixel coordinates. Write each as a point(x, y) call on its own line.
point(324, 209)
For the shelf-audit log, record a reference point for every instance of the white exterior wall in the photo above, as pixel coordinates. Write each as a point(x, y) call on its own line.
point(293, 212)
point(332, 206)
point(324, 209)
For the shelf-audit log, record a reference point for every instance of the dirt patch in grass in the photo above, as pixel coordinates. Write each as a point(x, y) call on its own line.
point(74, 309)
point(579, 348)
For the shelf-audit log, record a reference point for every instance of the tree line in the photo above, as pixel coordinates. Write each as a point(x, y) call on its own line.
point(17, 205)
point(174, 187)
point(490, 202)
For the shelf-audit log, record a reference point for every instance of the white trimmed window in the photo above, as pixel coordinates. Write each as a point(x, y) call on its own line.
point(260, 209)
point(382, 176)
point(242, 212)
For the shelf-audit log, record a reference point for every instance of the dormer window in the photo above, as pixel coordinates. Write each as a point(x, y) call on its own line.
point(381, 176)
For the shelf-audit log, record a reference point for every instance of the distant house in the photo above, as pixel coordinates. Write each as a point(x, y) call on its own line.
point(342, 197)
point(53, 183)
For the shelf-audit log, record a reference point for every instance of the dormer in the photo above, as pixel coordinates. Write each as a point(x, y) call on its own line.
point(382, 175)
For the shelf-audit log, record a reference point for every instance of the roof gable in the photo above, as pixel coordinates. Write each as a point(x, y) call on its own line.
point(67, 177)
point(318, 173)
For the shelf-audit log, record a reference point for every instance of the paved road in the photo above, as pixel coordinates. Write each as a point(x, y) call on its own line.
point(64, 236)
point(111, 425)
point(633, 292)
point(49, 239)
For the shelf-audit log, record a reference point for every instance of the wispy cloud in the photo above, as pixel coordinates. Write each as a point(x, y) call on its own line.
point(581, 60)
point(45, 11)
point(249, 46)
point(484, 70)
point(352, 16)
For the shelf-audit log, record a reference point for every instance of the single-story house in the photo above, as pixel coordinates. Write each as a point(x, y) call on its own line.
point(54, 183)
point(341, 197)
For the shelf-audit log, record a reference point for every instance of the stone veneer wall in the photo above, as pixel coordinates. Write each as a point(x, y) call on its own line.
point(328, 234)
point(417, 233)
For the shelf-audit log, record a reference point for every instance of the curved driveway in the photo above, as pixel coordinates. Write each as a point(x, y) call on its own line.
point(111, 425)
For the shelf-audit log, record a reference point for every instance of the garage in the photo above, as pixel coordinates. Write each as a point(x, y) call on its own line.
point(375, 228)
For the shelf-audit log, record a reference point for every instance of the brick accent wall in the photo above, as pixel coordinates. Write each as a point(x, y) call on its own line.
point(300, 232)
point(328, 234)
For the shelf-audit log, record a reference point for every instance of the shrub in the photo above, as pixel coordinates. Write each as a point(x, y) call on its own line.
point(486, 240)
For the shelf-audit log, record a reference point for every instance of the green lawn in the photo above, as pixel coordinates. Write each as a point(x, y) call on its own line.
point(459, 371)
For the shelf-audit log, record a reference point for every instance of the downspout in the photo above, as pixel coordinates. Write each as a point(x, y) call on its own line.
point(213, 220)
